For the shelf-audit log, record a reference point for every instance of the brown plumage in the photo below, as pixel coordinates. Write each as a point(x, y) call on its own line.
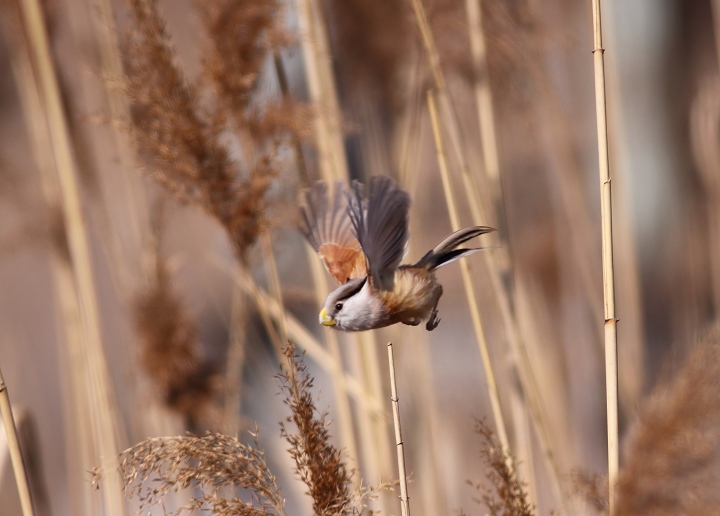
point(362, 238)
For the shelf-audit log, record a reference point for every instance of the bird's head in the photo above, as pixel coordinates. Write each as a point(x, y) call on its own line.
point(350, 307)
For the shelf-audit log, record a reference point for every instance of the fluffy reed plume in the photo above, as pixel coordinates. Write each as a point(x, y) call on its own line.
point(184, 142)
point(155, 467)
point(170, 352)
point(507, 495)
point(592, 488)
point(317, 462)
point(242, 37)
point(671, 461)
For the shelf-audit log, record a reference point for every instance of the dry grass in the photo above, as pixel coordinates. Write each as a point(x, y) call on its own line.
point(506, 494)
point(317, 462)
point(671, 458)
point(156, 467)
point(217, 464)
point(228, 142)
point(170, 352)
point(183, 138)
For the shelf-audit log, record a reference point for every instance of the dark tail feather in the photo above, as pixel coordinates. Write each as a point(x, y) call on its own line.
point(447, 251)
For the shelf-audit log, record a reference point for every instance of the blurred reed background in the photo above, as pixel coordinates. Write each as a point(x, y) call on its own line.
point(152, 155)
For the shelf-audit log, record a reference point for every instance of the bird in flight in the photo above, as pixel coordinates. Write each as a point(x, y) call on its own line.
point(361, 236)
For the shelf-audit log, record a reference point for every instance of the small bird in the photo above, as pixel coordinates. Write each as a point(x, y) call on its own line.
point(362, 239)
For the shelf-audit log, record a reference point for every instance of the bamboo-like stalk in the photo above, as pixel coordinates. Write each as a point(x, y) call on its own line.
point(491, 170)
point(611, 363)
point(106, 424)
point(474, 306)
point(18, 464)
point(404, 498)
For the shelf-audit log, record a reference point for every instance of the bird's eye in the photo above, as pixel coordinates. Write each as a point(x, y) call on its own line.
point(338, 306)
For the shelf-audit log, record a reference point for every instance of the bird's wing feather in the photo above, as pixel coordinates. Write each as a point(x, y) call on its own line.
point(326, 225)
point(380, 222)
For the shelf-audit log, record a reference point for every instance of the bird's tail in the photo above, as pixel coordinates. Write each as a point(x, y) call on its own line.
point(447, 251)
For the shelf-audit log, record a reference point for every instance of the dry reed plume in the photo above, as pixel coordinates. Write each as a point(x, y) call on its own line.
point(671, 460)
point(225, 144)
point(507, 494)
point(317, 462)
point(154, 468)
point(170, 352)
point(183, 136)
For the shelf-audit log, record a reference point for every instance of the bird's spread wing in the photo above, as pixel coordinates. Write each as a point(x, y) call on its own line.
point(380, 222)
point(326, 224)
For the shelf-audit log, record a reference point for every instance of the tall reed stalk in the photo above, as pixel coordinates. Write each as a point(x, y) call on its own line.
point(106, 423)
point(404, 498)
point(531, 392)
point(16, 458)
point(474, 307)
point(611, 362)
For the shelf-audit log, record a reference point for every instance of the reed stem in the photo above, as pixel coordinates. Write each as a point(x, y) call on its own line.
point(404, 499)
point(474, 306)
point(611, 362)
point(16, 457)
point(106, 423)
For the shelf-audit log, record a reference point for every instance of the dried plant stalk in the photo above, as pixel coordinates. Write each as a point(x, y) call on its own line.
point(474, 307)
point(16, 457)
point(323, 94)
point(527, 377)
point(106, 424)
point(80, 441)
point(404, 498)
point(611, 362)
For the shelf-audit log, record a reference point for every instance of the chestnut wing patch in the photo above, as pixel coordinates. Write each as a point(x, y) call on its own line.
point(325, 222)
point(343, 263)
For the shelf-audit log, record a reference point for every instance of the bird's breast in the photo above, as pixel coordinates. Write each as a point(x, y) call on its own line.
point(413, 294)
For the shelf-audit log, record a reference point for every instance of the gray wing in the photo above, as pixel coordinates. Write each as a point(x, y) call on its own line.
point(380, 222)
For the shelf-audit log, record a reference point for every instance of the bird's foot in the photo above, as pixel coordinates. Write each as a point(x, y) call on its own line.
point(433, 321)
point(412, 322)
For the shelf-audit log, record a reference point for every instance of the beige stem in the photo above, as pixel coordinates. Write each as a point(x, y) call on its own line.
point(404, 499)
point(474, 306)
point(16, 457)
point(106, 421)
point(611, 363)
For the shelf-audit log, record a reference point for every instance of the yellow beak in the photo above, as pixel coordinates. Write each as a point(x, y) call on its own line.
point(325, 319)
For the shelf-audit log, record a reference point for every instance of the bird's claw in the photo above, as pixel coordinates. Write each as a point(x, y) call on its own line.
point(433, 321)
